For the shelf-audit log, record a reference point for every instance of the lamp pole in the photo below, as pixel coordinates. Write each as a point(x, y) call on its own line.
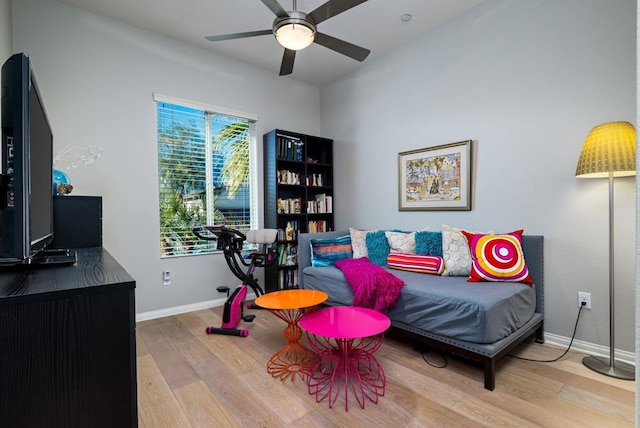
point(613, 368)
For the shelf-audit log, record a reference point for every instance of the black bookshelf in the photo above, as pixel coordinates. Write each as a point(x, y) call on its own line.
point(298, 192)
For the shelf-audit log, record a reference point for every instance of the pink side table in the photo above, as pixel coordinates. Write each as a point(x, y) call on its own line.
point(345, 339)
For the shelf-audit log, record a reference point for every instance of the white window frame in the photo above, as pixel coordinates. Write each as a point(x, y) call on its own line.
point(253, 166)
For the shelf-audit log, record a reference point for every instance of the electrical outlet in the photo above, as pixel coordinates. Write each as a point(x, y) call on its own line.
point(166, 277)
point(584, 298)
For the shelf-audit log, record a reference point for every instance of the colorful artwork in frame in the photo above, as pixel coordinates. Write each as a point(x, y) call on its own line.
point(435, 178)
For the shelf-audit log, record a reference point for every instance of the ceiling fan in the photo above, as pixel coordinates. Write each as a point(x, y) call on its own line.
point(296, 30)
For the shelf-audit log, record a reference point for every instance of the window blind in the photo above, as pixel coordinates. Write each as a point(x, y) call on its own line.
point(206, 174)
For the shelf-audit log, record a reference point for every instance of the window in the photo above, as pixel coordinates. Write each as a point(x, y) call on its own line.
point(206, 173)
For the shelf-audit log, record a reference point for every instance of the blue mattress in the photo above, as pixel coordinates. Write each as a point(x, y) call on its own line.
point(478, 312)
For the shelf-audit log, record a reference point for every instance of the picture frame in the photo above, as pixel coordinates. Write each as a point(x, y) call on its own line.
point(435, 178)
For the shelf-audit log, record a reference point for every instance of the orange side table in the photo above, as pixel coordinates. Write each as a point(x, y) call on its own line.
point(289, 305)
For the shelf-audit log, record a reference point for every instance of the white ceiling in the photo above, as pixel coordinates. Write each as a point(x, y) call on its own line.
point(375, 25)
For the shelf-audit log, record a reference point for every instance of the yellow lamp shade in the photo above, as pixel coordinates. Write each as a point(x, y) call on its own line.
point(609, 148)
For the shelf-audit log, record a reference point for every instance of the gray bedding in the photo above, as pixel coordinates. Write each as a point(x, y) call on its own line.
point(478, 312)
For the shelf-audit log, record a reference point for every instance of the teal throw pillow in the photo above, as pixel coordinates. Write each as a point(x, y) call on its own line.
point(377, 247)
point(326, 251)
point(429, 242)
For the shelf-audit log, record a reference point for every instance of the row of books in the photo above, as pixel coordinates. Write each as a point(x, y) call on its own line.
point(322, 204)
point(288, 177)
point(289, 148)
point(288, 278)
point(317, 180)
point(285, 176)
point(282, 233)
point(287, 255)
point(290, 206)
point(318, 226)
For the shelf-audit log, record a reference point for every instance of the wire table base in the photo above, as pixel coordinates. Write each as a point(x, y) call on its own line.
point(294, 358)
point(290, 305)
point(345, 366)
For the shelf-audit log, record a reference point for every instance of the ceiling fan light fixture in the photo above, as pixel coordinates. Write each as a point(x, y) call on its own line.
point(294, 32)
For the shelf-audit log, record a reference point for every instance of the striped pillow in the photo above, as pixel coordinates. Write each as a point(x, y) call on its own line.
point(416, 263)
point(326, 251)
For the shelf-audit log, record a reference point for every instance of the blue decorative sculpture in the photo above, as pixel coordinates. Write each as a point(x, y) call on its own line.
point(61, 183)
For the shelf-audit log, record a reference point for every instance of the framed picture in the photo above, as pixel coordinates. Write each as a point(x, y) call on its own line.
point(435, 178)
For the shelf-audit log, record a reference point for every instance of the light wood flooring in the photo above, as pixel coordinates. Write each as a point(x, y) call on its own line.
point(187, 378)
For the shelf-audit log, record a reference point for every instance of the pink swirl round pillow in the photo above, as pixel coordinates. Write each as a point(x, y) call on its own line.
point(497, 257)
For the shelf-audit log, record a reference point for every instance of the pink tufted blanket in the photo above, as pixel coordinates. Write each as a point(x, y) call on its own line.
point(373, 287)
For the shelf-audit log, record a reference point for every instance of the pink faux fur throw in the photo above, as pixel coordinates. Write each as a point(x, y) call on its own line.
point(373, 287)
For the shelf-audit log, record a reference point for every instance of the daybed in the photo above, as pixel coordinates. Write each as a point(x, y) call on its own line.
point(447, 311)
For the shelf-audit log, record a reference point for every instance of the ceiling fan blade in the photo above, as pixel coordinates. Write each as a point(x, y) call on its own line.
point(287, 62)
point(332, 8)
point(276, 8)
point(238, 35)
point(340, 46)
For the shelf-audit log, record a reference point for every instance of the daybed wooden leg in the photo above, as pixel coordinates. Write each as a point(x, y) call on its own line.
point(540, 334)
point(490, 374)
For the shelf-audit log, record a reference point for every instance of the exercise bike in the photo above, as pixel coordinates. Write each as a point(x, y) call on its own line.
point(230, 241)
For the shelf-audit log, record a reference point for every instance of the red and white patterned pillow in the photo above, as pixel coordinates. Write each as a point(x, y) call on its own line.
point(497, 257)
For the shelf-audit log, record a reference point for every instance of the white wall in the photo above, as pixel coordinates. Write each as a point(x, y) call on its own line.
point(526, 80)
point(6, 40)
point(97, 78)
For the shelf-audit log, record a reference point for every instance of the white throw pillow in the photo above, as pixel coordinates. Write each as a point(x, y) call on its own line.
point(358, 242)
point(455, 252)
point(400, 242)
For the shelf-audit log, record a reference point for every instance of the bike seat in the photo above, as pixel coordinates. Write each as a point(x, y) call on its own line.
point(262, 236)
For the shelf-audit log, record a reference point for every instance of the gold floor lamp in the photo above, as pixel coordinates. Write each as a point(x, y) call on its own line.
point(609, 151)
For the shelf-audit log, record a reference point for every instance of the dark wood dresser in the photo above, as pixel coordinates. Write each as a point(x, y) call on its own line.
point(67, 344)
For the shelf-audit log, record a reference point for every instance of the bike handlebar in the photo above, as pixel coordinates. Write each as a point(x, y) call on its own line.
point(219, 232)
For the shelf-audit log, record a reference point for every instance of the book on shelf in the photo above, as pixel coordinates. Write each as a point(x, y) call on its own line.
point(289, 148)
point(287, 278)
point(321, 201)
point(289, 205)
point(287, 254)
point(316, 180)
point(295, 225)
point(288, 177)
point(318, 226)
point(321, 204)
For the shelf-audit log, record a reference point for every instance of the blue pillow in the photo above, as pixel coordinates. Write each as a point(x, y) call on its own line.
point(429, 242)
point(326, 251)
point(377, 247)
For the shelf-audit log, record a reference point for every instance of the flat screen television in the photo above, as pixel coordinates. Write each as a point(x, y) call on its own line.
point(26, 195)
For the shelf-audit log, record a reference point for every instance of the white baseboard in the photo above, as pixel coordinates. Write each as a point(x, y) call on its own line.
point(167, 312)
point(589, 348)
point(550, 338)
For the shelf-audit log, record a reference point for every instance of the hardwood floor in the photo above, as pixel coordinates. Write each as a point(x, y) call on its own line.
point(187, 378)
